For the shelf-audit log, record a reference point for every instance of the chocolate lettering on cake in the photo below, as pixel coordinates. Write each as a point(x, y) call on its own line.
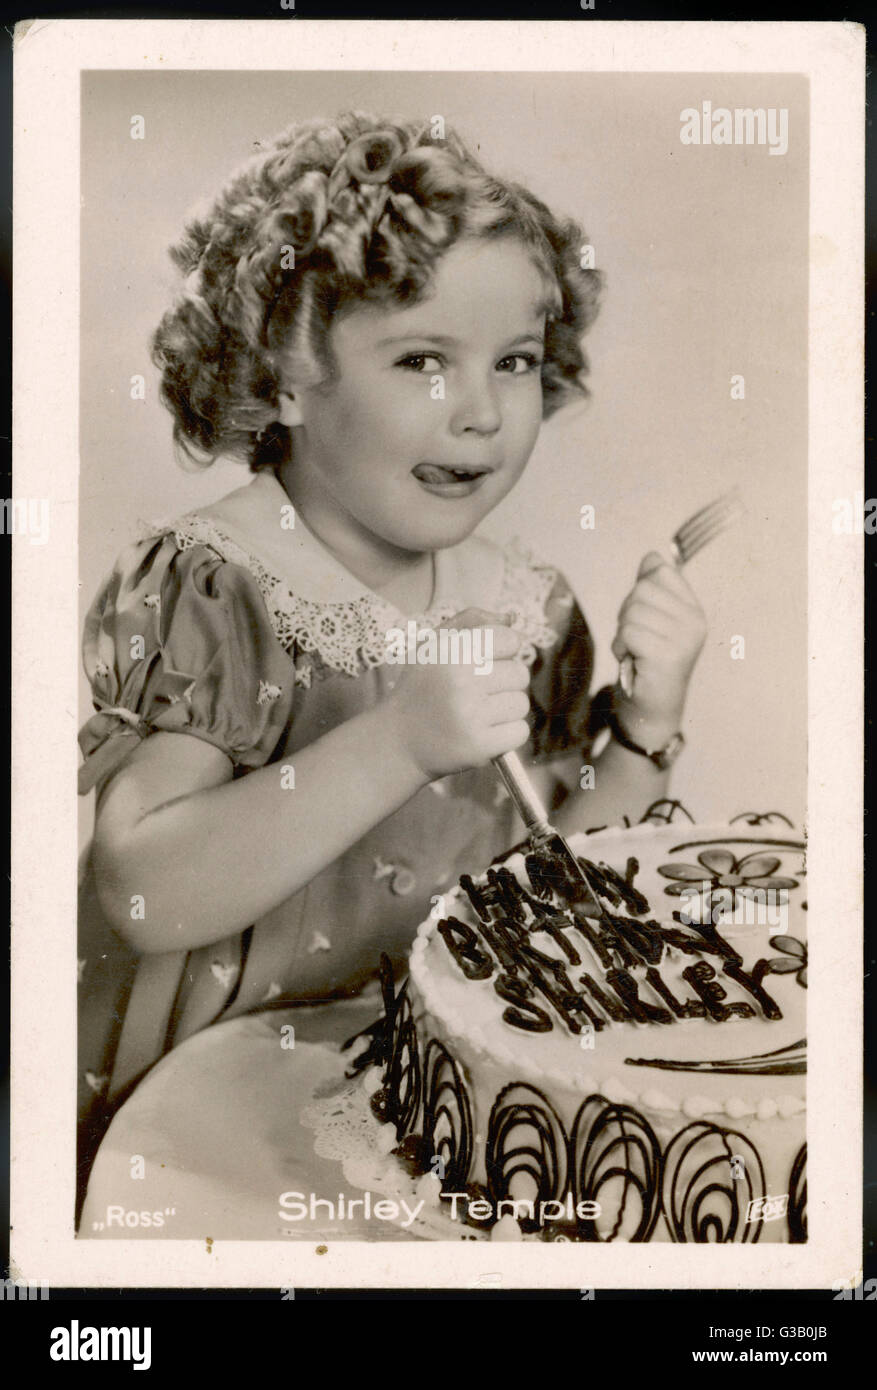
point(509, 917)
point(714, 943)
point(702, 978)
point(555, 927)
point(509, 941)
point(525, 1013)
point(732, 966)
point(682, 1008)
point(617, 890)
point(462, 942)
point(769, 1007)
point(594, 938)
point(554, 869)
point(615, 940)
point(549, 976)
point(643, 938)
point(682, 941)
point(515, 899)
point(616, 1010)
point(627, 989)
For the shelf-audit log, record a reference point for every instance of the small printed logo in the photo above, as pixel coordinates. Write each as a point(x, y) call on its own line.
point(75, 1343)
point(745, 907)
point(767, 1208)
point(444, 646)
point(26, 516)
point(743, 126)
point(845, 1290)
point(15, 1289)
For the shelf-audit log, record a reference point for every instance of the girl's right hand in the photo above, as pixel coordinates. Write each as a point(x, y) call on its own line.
point(451, 717)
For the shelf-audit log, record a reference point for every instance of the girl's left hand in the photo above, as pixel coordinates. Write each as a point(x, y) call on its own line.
point(663, 627)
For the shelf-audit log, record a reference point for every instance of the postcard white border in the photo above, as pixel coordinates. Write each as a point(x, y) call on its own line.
point(49, 56)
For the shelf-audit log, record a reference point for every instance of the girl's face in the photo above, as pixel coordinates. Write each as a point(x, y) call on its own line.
point(434, 408)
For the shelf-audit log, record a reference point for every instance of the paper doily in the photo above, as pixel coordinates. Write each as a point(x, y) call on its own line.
point(347, 1130)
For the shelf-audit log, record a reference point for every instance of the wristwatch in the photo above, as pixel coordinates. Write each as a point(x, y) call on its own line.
point(601, 716)
point(662, 757)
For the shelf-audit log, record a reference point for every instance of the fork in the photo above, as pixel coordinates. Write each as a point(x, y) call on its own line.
point(691, 537)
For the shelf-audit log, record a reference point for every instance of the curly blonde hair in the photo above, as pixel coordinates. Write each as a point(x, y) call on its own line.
point(328, 215)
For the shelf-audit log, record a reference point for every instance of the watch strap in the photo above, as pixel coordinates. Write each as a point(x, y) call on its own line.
point(604, 716)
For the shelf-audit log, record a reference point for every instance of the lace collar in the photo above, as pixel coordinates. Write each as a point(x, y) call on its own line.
point(316, 606)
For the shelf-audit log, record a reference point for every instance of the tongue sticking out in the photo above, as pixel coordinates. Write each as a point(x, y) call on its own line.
point(433, 473)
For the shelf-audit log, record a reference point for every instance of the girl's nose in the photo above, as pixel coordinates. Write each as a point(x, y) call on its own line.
point(476, 409)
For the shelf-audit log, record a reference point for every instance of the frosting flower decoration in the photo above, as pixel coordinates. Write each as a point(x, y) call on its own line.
point(717, 869)
point(781, 965)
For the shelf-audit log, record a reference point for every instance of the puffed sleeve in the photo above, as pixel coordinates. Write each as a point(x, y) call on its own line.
point(180, 641)
point(561, 679)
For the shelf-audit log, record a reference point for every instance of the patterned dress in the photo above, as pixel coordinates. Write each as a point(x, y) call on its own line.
point(234, 627)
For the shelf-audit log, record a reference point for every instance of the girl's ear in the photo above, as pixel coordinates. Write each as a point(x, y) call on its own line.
point(290, 410)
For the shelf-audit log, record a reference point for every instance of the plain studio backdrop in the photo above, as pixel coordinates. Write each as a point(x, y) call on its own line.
point(705, 254)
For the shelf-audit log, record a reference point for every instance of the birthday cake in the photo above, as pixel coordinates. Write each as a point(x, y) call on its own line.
point(631, 1073)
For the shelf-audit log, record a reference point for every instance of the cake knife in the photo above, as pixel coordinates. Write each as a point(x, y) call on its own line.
point(544, 839)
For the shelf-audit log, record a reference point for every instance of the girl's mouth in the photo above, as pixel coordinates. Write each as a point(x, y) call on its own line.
point(443, 481)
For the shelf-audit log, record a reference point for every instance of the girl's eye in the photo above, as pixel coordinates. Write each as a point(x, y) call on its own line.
point(516, 364)
point(522, 363)
point(415, 362)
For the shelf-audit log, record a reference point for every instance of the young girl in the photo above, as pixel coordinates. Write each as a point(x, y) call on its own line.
point(377, 327)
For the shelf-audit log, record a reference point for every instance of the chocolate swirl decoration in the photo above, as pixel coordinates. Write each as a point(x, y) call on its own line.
point(762, 818)
point(525, 1136)
point(797, 1214)
point(700, 1194)
point(402, 1077)
point(783, 1061)
point(615, 1159)
point(447, 1117)
point(664, 811)
point(381, 1033)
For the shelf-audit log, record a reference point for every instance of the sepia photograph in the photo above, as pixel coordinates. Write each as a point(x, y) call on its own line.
point(451, 805)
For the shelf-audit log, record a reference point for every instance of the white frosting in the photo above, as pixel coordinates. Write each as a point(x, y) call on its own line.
point(471, 1011)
